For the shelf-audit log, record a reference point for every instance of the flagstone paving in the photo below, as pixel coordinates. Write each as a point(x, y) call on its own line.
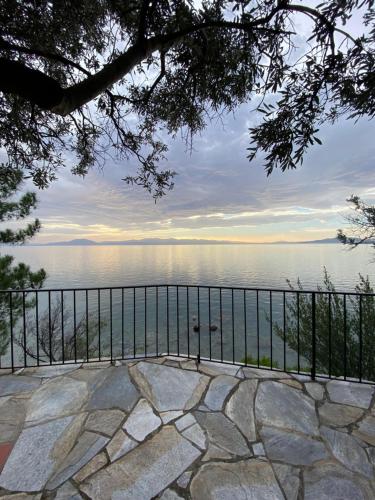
point(170, 428)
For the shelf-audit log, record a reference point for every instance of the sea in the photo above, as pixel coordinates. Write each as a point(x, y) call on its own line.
point(185, 317)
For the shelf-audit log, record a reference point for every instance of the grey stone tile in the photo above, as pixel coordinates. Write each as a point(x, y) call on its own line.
point(248, 479)
point(33, 457)
point(169, 388)
point(196, 435)
point(347, 451)
point(105, 421)
point(184, 479)
point(366, 430)
point(88, 445)
point(240, 408)
point(288, 477)
point(315, 390)
point(339, 415)
point(218, 390)
point(211, 368)
point(67, 492)
point(51, 371)
point(15, 384)
point(55, 398)
point(142, 421)
point(222, 433)
point(291, 448)
point(264, 373)
point(145, 471)
point(282, 406)
point(350, 393)
point(115, 391)
point(119, 445)
point(168, 416)
point(185, 421)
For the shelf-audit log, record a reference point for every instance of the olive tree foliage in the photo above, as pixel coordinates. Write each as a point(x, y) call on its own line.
point(361, 224)
point(17, 276)
point(99, 78)
point(345, 341)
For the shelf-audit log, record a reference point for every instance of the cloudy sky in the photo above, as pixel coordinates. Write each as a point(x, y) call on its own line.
point(218, 194)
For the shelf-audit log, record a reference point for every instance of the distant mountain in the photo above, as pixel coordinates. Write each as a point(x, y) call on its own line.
point(146, 241)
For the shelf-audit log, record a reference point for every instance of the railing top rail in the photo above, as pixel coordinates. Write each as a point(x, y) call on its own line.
point(183, 285)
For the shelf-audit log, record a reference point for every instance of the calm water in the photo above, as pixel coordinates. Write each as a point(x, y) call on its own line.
point(154, 321)
point(232, 265)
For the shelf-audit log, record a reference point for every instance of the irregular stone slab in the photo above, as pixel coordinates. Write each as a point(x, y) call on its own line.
point(292, 448)
point(222, 433)
point(184, 479)
point(168, 416)
point(331, 482)
point(339, 415)
point(15, 384)
point(170, 495)
point(371, 454)
point(12, 416)
point(88, 445)
point(218, 390)
point(105, 421)
point(240, 408)
point(258, 449)
point(249, 479)
point(189, 365)
point(291, 383)
point(50, 371)
point(366, 430)
point(67, 492)
point(93, 378)
point(214, 452)
point(56, 398)
point(185, 421)
point(196, 436)
point(95, 464)
point(116, 391)
point(169, 388)
point(350, 393)
point(145, 471)
point(347, 451)
point(120, 445)
point(142, 421)
point(21, 496)
point(259, 373)
point(211, 368)
point(32, 459)
point(282, 406)
point(288, 477)
point(5, 449)
point(315, 390)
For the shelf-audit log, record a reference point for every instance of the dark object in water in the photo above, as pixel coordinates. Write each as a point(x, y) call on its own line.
point(213, 328)
point(196, 328)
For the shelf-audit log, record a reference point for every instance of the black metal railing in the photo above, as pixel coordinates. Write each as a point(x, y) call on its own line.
point(317, 333)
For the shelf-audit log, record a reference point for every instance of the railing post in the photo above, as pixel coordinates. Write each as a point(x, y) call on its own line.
point(313, 336)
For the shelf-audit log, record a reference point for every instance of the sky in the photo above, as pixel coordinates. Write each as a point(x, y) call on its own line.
point(218, 194)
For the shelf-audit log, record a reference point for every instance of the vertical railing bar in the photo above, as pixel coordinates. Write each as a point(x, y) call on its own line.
point(258, 329)
point(245, 323)
point(11, 330)
point(37, 326)
point(62, 328)
point(345, 339)
point(133, 322)
point(87, 324)
point(99, 327)
point(360, 338)
point(122, 325)
point(330, 336)
point(313, 328)
point(178, 321)
point(75, 324)
point(199, 326)
point(188, 320)
point(145, 302)
point(168, 320)
point(221, 325)
point(49, 328)
point(284, 330)
point(233, 354)
point(24, 329)
point(209, 321)
point(298, 337)
point(111, 323)
point(271, 329)
point(157, 321)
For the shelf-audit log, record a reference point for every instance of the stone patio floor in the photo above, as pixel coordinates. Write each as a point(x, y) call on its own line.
point(167, 428)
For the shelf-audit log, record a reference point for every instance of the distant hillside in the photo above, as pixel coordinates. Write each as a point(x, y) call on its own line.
point(146, 241)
